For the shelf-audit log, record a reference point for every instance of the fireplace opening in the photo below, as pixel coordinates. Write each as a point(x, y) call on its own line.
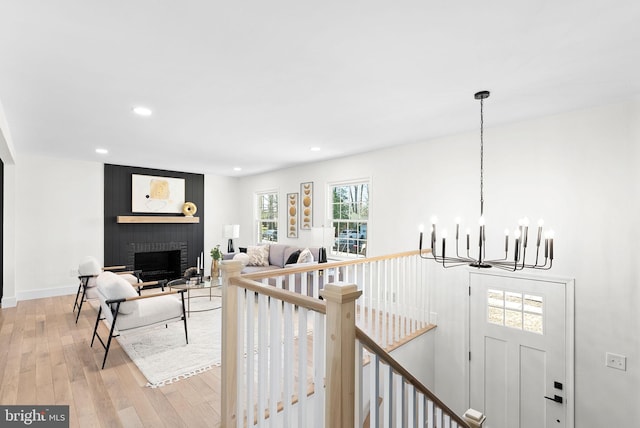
point(158, 265)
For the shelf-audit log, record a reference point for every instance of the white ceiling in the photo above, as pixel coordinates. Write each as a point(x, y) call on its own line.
point(256, 84)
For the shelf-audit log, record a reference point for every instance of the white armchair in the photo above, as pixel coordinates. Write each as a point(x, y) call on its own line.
point(123, 309)
point(88, 271)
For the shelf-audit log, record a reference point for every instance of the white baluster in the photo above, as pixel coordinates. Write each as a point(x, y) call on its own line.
point(374, 382)
point(318, 367)
point(359, 393)
point(241, 321)
point(250, 362)
point(302, 365)
point(411, 405)
point(263, 355)
point(288, 361)
point(390, 398)
point(275, 359)
point(421, 413)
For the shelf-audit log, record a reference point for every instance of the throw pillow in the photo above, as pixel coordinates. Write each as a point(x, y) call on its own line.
point(243, 258)
point(89, 266)
point(258, 255)
point(293, 258)
point(114, 287)
point(305, 256)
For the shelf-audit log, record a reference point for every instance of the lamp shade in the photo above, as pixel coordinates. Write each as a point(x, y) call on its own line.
point(323, 236)
point(231, 231)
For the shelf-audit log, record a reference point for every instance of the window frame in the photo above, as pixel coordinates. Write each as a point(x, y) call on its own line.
point(259, 220)
point(361, 239)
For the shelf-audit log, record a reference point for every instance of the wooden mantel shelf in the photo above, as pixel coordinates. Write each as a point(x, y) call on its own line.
point(156, 219)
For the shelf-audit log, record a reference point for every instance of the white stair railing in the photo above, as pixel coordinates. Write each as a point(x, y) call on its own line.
point(285, 363)
point(396, 398)
point(394, 305)
point(272, 357)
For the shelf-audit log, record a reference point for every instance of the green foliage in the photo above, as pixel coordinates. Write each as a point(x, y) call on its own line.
point(216, 253)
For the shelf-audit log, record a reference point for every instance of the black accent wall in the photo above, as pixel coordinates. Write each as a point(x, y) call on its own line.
point(118, 238)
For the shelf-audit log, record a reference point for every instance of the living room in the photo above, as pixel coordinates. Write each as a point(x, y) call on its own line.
point(577, 169)
point(554, 153)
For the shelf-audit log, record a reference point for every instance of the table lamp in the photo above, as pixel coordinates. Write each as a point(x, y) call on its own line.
point(231, 231)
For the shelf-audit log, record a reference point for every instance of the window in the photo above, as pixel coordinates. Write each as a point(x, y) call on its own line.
point(515, 310)
point(267, 217)
point(349, 217)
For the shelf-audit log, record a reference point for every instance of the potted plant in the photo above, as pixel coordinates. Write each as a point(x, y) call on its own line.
point(216, 255)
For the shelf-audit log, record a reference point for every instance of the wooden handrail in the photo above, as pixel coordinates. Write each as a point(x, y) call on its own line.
point(329, 265)
point(280, 294)
point(146, 296)
point(112, 268)
point(372, 346)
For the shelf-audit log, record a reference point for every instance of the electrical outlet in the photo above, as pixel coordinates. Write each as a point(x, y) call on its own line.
point(616, 361)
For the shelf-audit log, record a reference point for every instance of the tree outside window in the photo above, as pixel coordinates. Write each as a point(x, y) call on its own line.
point(350, 215)
point(267, 217)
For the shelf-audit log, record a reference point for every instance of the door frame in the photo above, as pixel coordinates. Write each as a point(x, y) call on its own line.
point(569, 284)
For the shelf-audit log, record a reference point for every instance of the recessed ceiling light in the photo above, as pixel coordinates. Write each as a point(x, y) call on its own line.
point(237, 168)
point(142, 111)
point(315, 149)
point(102, 151)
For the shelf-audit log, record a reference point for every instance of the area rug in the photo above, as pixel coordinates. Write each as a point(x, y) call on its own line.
point(161, 353)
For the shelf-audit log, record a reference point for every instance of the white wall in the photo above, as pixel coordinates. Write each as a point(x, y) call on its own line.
point(54, 213)
point(8, 236)
point(221, 207)
point(577, 170)
point(58, 220)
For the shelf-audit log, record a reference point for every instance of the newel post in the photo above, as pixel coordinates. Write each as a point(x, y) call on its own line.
point(340, 353)
point(229, 407)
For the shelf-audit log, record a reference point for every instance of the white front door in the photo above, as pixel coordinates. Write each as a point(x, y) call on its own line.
point(518, 362)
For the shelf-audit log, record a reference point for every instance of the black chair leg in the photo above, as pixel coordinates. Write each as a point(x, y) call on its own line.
point(95, 328)
point(184, 318)
point(75, 304)
point(113, 327)
point(84, 294)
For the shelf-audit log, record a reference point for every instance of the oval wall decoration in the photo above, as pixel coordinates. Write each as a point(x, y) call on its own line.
point(306, 208)
point(292, 215)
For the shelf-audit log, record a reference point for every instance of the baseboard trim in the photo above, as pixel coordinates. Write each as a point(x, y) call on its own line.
point(45, 292)
point(9, 302)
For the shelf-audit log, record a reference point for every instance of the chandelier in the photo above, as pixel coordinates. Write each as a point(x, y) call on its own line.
point(521, 234)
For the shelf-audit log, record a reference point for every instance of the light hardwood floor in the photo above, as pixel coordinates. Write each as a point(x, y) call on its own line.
point(45, 358)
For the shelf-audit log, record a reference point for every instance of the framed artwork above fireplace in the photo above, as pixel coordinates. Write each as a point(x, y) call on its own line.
point(154, 194)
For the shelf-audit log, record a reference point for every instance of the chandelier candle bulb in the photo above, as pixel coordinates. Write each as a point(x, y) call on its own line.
point(434, 219)
point(546, 248)
point(444, 239)
point(506, 241)
point(539, 234)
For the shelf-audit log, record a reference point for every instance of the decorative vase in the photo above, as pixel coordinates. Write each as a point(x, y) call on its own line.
point(215, 268)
